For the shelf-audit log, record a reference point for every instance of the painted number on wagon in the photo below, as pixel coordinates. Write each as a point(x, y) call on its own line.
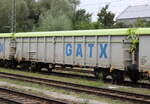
point(102, 50)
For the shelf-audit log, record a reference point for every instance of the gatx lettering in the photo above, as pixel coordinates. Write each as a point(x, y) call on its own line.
point(79, 50)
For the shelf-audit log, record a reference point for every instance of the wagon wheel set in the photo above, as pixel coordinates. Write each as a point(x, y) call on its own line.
point(117, 76)
point(100, 73)
point(26, 65)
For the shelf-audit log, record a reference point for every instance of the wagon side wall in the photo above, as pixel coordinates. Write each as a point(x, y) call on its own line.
point(144, 53)
point(101, 51)
point(4, 48)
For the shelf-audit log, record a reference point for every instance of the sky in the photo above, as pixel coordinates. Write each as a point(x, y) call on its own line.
point(116, 6)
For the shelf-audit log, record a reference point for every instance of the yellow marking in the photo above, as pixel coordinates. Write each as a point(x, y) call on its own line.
point(111, 69)
point(149, 72)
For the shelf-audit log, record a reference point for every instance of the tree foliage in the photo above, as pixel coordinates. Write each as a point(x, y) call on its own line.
point(82, 20)
point(120, 25)
point(5, 15)
point(32, 14)
point(50, 22)
point(58, 13)
point(22, 14)
point(141, 23)
point(51, 15)
point(106, 17)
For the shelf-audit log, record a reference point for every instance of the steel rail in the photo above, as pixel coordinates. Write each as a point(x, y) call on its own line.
point(21, 97)
point(9, 100)
point(92, 78)
point(82, 88)
point(125, 83)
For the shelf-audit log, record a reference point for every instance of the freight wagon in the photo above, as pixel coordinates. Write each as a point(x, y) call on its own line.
point(115, 52)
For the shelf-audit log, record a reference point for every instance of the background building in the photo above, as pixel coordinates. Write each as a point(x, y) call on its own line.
point(132, 13)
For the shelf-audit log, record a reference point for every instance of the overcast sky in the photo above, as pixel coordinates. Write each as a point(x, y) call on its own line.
point(116, 6)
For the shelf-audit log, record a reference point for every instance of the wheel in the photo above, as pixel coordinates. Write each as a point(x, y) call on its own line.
point(7, 64)
point(33, 67)
point(133, 73)
point(117, 76)
point(97, 73)
point(100, 73)
point(13, 64)
point(1, 63)
point(24, 66)
point(50, 68)
point(39, 67)
point(134, 76)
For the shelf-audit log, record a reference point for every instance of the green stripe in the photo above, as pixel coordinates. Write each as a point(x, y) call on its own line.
point(5, 35)
point(143, 31)
point(98, 32)
point(75, 33)
point(69, 42)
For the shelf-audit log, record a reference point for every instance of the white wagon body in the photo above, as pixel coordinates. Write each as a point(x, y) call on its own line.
point(91, 51)
point(108, 50)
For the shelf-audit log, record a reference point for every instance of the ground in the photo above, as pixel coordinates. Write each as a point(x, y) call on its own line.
point(36, 88)
point(52, 94)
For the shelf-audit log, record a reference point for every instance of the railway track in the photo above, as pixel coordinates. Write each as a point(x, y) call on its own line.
point(139, 98)
point(92, 78)
point(9, 96)
point(125, 83)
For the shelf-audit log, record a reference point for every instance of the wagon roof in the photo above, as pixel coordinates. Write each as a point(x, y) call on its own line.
point(6, 34)
point(123, 31)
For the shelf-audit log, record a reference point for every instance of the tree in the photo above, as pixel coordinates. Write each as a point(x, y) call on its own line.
point(53, 15)
point(140, 23)
point(50, 22)
point(34, 10)
point(120, 25)
point(22, 13)
point(5, 16)
point(97, 25)
point(57, 6)
point(147, 24)
point(106, 17)
point(82, 20)
point(31, 14)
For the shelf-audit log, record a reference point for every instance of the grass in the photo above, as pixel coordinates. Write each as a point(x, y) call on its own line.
point(59, 78)
point(79, 81)
point(135, 90)
point(73, 72)
point(78, 95)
